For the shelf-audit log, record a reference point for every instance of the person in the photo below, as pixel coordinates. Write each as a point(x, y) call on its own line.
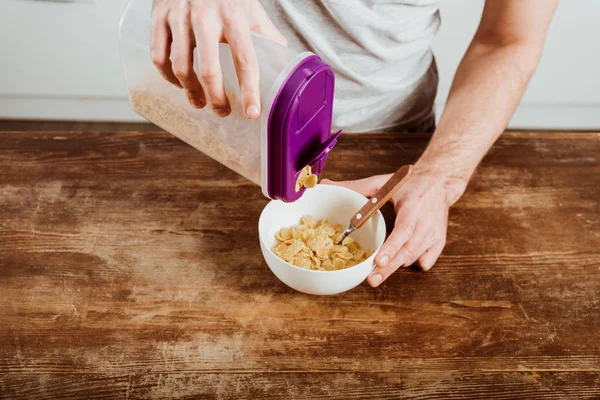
point(386, 80)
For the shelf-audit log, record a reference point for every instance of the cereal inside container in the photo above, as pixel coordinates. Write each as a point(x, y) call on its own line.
point(292, 134)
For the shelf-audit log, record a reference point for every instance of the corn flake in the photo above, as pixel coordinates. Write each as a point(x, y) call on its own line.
point(306, 179)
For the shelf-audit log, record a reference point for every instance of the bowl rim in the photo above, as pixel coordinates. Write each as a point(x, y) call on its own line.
point(378, 214)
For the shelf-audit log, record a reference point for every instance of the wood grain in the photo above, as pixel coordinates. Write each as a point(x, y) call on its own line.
point(130, 269)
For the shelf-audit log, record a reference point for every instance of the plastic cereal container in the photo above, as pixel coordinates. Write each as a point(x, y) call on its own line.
point(292, 134)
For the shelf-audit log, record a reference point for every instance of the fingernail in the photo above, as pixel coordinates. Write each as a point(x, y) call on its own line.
point(198, 103)
point(376, 279)
point(383, 260)
point(253, 111)
point(221, 112)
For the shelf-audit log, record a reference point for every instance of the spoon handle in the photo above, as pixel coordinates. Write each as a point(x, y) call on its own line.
point(382, 196)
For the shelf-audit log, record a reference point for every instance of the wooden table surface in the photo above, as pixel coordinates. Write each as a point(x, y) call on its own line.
point(130, 268)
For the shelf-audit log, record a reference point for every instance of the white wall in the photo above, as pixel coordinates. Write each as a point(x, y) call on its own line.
point(565, 90)
point(60, 60)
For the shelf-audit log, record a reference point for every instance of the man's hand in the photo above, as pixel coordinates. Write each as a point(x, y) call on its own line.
point(179, 26)
point(419, 233)
point(486, 90)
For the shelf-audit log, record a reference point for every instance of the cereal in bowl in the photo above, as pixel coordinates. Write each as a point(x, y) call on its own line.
point(318, 245)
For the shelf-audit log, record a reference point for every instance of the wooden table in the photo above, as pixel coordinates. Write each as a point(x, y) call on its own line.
point(130, 268)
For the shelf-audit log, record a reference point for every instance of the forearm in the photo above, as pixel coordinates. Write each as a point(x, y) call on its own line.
point(487, 88)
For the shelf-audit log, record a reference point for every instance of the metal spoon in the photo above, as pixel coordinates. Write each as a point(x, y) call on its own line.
point(379, 199)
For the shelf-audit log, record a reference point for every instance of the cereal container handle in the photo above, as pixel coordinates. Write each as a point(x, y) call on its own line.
point(382, 196)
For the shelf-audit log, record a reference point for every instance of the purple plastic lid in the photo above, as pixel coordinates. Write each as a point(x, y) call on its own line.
point(299, 127)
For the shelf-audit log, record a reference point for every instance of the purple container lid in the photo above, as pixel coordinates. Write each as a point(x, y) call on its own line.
point(299, 127)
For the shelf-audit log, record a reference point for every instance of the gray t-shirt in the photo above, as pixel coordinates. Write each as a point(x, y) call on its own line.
point(380, 51)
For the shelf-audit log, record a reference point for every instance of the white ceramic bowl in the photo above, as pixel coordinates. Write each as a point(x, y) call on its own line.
point(338, 205)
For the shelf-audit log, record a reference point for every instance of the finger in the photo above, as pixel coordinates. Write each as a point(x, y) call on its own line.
point(367, 186)
point(385, 265)
point(404, 228)
point(207, 46)
point(428, 259)
point(183, 63)
point(160, 47)
point(414, 248)
point(262, 24)
point(246, 65)
point(384, 268)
